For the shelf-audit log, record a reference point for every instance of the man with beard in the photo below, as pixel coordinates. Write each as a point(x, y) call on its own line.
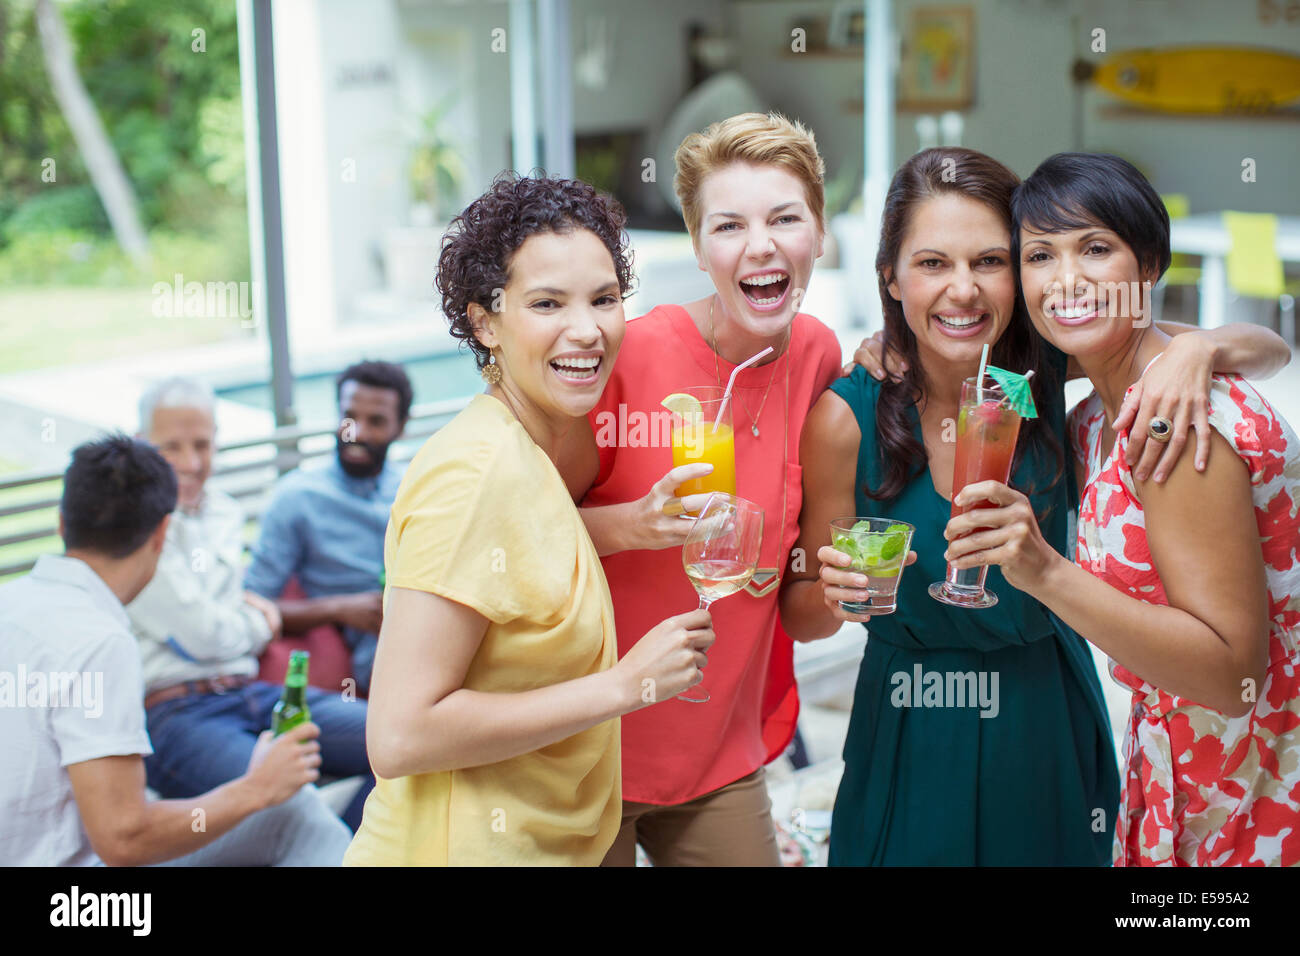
point(200, 632)
point(325, 526)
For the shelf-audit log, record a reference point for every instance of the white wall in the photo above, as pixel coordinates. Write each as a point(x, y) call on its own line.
point(646, 44)
point(1199, 156)
point(1025, 103)
point(822, 91)
point(304, 187)
point(350, 72)
point(364, 163)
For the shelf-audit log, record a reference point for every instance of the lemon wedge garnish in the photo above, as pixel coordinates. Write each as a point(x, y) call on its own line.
point(687, 406)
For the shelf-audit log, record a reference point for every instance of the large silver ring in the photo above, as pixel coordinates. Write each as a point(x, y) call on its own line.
point(1160, 429)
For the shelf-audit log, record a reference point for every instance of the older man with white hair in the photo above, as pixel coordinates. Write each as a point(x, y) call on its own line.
point(201, 632)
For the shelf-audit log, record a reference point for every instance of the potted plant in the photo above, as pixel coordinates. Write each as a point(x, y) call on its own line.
point(436, 175)
point(436, 170)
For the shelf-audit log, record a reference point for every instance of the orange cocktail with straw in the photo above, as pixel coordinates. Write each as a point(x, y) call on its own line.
point(700, 435)
point(702, 432)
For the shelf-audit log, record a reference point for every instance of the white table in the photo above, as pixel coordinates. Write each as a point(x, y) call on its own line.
point(1205, 235)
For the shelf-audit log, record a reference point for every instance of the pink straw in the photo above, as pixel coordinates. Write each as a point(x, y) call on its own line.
point(726, 396)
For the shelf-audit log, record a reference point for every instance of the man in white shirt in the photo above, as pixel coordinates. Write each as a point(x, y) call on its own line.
point(72, 728)
point(201, 633)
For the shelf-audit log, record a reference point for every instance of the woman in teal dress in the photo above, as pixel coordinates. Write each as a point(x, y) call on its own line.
point(1022, 772)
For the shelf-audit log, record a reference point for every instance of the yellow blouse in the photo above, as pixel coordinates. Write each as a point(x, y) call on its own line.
point(483, 519)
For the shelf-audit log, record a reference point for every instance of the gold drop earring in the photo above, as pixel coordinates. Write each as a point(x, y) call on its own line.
point(492, 371)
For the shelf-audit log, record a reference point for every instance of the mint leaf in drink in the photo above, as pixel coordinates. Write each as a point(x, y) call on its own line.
point(873, 550)
point(891, 546)
point(847, 543)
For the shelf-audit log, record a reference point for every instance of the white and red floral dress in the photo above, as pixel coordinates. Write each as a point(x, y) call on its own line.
point(1199, 787)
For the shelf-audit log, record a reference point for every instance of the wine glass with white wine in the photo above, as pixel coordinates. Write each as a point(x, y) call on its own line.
point(720, 555)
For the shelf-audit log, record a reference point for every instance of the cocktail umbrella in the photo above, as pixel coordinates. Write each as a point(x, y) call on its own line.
point(1016, 387)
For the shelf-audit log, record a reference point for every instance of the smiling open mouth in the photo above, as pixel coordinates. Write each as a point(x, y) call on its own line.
point(577, 369)
point(765, 289)
point(1074, 313)
point(961, 323)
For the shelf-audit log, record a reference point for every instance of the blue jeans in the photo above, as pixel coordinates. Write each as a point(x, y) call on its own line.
point(204, 740)
point(363, 647)
point(302, 831)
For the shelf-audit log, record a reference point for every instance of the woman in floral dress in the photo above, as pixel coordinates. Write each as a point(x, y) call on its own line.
point(1189, 586)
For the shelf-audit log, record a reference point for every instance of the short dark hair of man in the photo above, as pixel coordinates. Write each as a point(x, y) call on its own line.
point(115, 494)
point(379, 375)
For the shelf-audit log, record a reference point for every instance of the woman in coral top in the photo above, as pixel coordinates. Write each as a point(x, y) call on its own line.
point(1188, 585)
point(751, 189)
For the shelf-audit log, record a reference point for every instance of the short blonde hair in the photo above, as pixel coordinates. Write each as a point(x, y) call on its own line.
point(764, 139)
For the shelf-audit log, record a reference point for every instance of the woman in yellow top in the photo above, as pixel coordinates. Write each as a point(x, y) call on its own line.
point(492, 726)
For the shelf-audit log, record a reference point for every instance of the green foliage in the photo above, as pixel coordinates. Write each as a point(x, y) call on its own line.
point(58, 209)
point(63, 257)
point(69, 257)
point(169, 100)
point(842, 189)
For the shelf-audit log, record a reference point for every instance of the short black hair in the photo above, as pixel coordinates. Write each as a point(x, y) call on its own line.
point(379, 375)
point(477, 248)
point(115, 494)
point(1076, 190)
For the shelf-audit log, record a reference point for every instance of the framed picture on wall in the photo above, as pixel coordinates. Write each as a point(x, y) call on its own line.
point(938, 62)
point(847, 28)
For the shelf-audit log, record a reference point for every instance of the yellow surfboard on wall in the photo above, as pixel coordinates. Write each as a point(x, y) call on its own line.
point(1202, 79)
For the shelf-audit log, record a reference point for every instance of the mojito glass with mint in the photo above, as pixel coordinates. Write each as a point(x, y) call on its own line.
point(878, 547)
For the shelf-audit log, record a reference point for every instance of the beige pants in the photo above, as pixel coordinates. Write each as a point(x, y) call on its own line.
point(732, 826)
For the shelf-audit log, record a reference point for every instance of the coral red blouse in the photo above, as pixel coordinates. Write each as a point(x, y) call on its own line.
point(675, 751)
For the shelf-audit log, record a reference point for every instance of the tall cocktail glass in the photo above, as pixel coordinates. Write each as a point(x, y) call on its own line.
point(695, 440)
point(987, 428)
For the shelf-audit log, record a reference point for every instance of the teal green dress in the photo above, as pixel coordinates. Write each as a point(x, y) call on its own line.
point(936, 775)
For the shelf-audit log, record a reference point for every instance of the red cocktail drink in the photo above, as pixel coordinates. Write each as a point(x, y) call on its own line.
point(987, 429)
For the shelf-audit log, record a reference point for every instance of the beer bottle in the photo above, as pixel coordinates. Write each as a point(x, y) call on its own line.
point(291, 709)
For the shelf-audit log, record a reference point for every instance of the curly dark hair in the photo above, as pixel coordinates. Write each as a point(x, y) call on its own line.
point(480, 243)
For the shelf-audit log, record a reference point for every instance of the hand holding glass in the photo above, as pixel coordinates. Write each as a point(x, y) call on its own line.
point(721, 554)
point(877, 548)
point(987, 428)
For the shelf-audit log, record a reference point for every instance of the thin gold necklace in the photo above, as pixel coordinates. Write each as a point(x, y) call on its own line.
point(766, 580)
point(717, 371)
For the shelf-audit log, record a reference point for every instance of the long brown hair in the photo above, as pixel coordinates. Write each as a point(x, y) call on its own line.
point(933, 172)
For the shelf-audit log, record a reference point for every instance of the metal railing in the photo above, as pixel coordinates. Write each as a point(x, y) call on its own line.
point(246, 470)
